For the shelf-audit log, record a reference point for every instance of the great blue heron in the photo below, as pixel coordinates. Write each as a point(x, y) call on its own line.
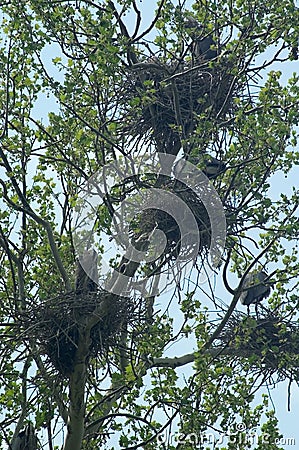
point(254, 289)
point(87, 272)
point(203, 45)
point(213, 167)
point(26, 439)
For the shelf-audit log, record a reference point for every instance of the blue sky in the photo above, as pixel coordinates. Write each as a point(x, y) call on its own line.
point(288, 420)
point(279, 394)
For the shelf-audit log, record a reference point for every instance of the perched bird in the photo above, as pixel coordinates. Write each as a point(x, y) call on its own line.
point(87, 272)
point(202, 46)
point(214, 167)
point(191, 22)
point(26, 439)
point(254, 289)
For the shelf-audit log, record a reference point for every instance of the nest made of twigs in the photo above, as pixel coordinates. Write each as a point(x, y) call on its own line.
point(173, 98)
point(55, 325)
point(158, 219)
point(271, 341)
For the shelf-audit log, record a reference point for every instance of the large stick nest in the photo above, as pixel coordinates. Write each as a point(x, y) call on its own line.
point(173, 98)
point(271, 341)
point(155, 218)
point(55, 325)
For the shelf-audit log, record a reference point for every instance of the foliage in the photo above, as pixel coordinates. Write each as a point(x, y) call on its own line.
point(86, 84)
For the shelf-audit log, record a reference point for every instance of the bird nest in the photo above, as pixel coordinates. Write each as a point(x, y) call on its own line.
point(56, 324)
point(271, 342)
point(173, 97)
point(158, 219)
point(185, 200)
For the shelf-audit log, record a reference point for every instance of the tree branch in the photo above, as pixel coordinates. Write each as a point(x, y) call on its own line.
point(46, 225)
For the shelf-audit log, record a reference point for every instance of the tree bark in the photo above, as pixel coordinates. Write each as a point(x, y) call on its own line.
point(75, 426)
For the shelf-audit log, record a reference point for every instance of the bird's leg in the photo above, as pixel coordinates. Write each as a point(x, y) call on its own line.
point(256, 310)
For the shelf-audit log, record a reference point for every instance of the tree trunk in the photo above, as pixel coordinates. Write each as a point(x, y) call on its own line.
point(75, 426)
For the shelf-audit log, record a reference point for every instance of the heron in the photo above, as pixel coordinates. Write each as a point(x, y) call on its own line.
point(214, 167)
point(87, 272)
point(202, 46)
point(26, 439)
point(255, 289)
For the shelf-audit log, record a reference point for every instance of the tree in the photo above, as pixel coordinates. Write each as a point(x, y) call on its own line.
point(120, 89)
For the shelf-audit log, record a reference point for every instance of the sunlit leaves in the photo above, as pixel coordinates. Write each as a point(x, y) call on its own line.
point(66, 104)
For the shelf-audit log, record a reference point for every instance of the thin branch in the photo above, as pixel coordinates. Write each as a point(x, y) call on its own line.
point(24, 404)
point(46, 225)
